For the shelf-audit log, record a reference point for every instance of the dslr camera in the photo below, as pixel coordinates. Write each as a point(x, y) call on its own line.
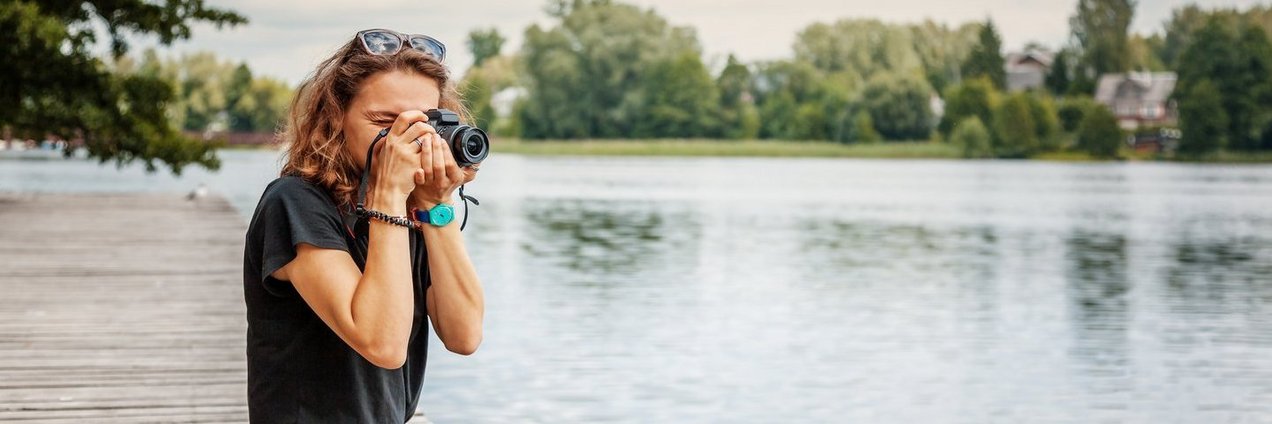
point(468, 144)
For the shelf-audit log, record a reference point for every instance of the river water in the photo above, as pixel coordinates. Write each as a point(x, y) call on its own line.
point(839, 290)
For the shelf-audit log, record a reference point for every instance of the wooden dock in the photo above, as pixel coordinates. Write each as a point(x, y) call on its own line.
point(121, 308)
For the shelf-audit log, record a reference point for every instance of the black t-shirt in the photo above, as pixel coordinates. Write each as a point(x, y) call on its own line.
point(298, 369)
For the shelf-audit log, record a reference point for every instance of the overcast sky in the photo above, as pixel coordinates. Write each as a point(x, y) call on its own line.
point(287, 38)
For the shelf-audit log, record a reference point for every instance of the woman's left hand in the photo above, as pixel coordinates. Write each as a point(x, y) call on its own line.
point(439, 175)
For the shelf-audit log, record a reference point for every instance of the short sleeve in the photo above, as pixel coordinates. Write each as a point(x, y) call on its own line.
point(292, 211)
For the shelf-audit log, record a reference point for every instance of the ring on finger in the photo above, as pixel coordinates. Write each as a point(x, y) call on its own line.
point(418, 142)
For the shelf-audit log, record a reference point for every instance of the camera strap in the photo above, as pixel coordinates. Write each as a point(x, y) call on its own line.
point(360, 208)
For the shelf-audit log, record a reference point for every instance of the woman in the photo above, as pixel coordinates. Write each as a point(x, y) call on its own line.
point(336, 302)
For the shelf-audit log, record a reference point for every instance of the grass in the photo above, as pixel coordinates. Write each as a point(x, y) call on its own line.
point(700, 147)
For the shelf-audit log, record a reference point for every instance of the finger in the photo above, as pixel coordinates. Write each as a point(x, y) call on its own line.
point(452, 169)
point(439, 158)
point(426, 157)
point(414, 131)
point(405, 120)
point(419, 176)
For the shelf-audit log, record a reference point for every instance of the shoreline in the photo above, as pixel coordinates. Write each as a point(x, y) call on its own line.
point(802, 149)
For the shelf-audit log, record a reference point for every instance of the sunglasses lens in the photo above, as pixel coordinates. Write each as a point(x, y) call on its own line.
point(378, 42)
point(430, 46)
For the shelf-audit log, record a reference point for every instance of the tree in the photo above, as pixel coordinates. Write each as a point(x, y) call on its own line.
point(584, 75)
point(974, 97)
point(1238, 63)
point(55, 85)
point(677, 99)
point(970, 135)
point(239, 85)
point(263, 107)
point(739, 117)
point(484, 44)
point(1058, 78)
point(1099, 29)
point(1046, 124)
point(1015, 134)
point(1071, 111)
point(986, 58)
point(1099, 134)
point(1202, 120)
point(898, 106)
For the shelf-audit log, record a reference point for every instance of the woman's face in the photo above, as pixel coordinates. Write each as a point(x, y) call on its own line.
point(379, 101)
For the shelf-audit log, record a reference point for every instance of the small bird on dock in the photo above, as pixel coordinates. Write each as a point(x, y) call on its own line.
point(199, 192)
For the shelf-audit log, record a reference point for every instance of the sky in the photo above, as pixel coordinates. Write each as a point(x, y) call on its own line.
point(287, 38)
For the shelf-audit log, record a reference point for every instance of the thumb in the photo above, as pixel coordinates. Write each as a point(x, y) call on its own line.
point(419, 176)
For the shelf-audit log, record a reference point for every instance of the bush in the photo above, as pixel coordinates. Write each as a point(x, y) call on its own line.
point(1070, 112)
point(974, 97)
point(1015, 134)
point(899, 106)
point(1098, 134)
point(1046, 124)
point(972, 137)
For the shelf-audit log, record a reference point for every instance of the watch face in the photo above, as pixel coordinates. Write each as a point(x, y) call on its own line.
point(441, 215)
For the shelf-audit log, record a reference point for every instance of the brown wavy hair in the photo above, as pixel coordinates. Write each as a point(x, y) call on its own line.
point(313, 135)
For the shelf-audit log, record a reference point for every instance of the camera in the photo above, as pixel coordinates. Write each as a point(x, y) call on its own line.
point(468, 144)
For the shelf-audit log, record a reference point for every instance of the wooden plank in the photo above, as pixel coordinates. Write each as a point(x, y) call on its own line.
point(121, 308)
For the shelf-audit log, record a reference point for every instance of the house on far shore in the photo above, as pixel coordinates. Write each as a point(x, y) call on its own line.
point(1027, 70)
point(1139, 99)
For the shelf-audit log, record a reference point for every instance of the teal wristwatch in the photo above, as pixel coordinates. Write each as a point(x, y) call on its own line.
point(440, 215)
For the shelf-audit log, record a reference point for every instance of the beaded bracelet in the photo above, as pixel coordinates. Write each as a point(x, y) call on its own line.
point(400, 221)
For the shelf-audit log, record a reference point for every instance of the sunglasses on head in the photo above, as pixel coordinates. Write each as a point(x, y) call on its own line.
point(389, 42)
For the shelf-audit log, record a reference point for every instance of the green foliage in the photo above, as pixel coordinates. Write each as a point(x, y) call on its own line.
point(484, 44)
point(1015, 134)
point(863, 129)
point(215, 95)
point(971, 136)
point(1099, 134)
point(1046, 123)
point(585, 75)
point(1058, 79)
point(739, 118)
point(678, 99)
point(898, 106)
point(1202, 119)
point(1185, 21)
point(864, 47)
point(986, 58)
point(1238, 63)
point(1072, 109)
point(263, 107)
point(1099, 28)
point(54, 85)
point(974, 97)
point(479, 86)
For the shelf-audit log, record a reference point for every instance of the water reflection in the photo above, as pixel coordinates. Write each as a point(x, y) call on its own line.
point(606, 237)
point(1097, 287)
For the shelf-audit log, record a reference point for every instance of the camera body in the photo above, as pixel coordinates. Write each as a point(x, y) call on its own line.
point(468, 144)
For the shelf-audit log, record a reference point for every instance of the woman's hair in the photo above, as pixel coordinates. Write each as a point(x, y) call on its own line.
point(313, 136)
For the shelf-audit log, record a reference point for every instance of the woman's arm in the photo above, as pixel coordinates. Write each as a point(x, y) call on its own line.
point(371, 311)
point(455, 299)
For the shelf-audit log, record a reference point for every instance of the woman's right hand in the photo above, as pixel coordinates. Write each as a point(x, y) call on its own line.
point(397, 156)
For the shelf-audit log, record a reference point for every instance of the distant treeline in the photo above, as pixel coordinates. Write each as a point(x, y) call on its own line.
point(214, 95)
point(605, 69)
point(610, 70)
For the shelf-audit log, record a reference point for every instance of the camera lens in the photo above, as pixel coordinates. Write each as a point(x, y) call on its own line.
point(473, 146)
